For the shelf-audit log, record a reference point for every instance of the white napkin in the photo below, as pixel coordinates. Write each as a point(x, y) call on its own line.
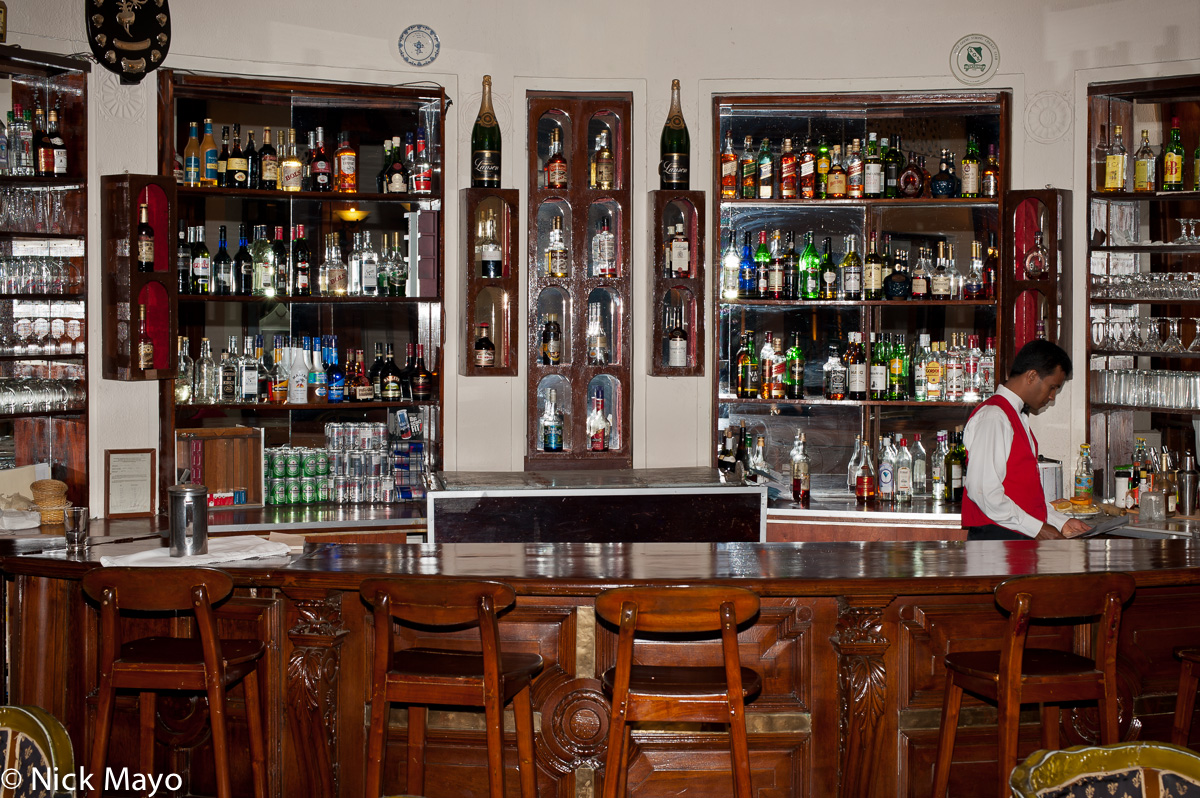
point(241, 547)
point(19, 519)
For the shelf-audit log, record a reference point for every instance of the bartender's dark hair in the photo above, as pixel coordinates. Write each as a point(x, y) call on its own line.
point(1041, 356)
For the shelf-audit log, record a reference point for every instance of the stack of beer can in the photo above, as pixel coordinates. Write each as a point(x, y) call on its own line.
point(359, 465)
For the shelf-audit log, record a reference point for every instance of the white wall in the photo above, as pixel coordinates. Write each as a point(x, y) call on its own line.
point(1048, 51)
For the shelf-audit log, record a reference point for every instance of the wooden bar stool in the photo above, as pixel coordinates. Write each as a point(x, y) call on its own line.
point(149, 664)
point(1016, 674)
point(677, 692)
point(421, 676)
point(1185, 701)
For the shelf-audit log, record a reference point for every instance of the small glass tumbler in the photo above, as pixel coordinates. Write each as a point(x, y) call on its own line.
point(75, 521)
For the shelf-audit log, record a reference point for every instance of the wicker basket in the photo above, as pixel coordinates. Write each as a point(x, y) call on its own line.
point(50, 497)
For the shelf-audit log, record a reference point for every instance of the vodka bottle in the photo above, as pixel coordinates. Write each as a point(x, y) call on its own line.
point(919, 362)
point(354, 265)
point(987, 370)
point(937, 470)
point(904, 472)
point(855, 463)
point(369, 267)
point(919, 467)
point(972, 391)
point(887, 471)
point(248, 373)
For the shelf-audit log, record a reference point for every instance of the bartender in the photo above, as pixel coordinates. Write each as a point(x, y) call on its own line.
point(1003, 497)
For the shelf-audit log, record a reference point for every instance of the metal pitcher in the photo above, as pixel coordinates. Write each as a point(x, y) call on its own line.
point(187, 514)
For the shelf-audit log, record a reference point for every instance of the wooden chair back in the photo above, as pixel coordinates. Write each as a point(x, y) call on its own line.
point(677, 609)
point(437, 602)
point(1052, 597)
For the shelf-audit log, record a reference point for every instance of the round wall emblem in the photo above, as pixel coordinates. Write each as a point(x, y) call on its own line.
point(974, 59)
point(419, 45)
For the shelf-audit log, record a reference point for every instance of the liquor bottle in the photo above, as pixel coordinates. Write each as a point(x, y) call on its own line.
point(298, 368)
point(145, 241)
point(558, 258)
point(335, 378)
point(237, 168)
point(762, 267)
point(223, 158)
point(592, 158)
point(318, 384)
point(222, 266)
point(810, 269)
point(396, 177)
point(604, 251)
point(748, 170)
point(920, 359)
point(1144, 166)
point(835, 182)
point(364, 391)
point(1037, 259)
point(791, 268)
point(943, 184)
point(58, 147)
point(955, 373)
point(387, 382)
point(823, 164)
point(301, 281)
point(834, 373)
point(262, 257)
point(184, 372)
point(207, 388)
point(43, 152)
point(253, 162)
point(1115, 163)
point(829, 271)
point(893, 166)
point(990, 184)
point(1172, 179)
point(423, 387)
point(987, 370)
point(935, 372)
point(487, 249)
point(262, 372)
point(864, 480)
point(775, 270)
point(956, 191)
point(991, 267)
point(766, 170)
point(921, 275)
point(851, 269)
point(806, 168)
point(183, 259)
point(937, 470)
point(598, 425)
point(972, 389)
point(597, 337)
point(972, 183)
point(291, 168)
point(345, 165)
point(886, 484)
point(940, 282)
point(677, 343)
point(898, 370)
point(283, 267)
point(776, 368)
point(193, 159)
point(856, 368)
point(746, 363)
point(556, 164)
point(873, 270)
point(552, 423)
point(904, 473)
point(321, 166)
point(872, 169)
point(247, 388)
point(208, 156)
point(729, 169)
point(855, 168)
point(853, 464)
point(898, 285)
point(793, 369)
point(730, 268)
point(747, 276)
point(277, 380)
point(919, 467)
point(787, 171)
point(231, 373)
point(369, 266)
point(957, 468)
point(201, 265)
point(144, 346)
point(485, 142)
point(23, 135)
point(766, 356)
point(801, 472)
point(674, 147)
point(973, 287)
point(335, 268)
point(680, 253)
point(877, 370)
point(912, 178)
point(551, 341)
point(268, 163)
point(354, 266)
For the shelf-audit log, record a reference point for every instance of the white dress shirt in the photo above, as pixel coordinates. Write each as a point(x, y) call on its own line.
point(988, 439)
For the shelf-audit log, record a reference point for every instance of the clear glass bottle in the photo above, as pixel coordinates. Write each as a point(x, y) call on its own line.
point(184, 374)
point(604, 251)
point(730, 267)
point(1145, 166)
point(1084, 475)
point(864, 480)
point(920, 359)
point(937, 470)
point(552, 423)
point(921, 275)
point(801, 472)
point(597, 337)
point(598, 425)
point(835, 375)
point(207, 388)
point(973, 285)
point(488, 250)
point(677, 343)
point(941, 281)
point(369, 266)
point(1115, 163)
point(231, 368)
point(557, 257)
point(853, 465)
point(972, 385)
point(1037, 259)
point(354, 284)
point(904, 473)
point(766, 357)
point(987, 370)
point(919, 467)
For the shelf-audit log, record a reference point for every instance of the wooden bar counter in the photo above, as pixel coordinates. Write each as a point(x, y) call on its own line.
point(849, 642)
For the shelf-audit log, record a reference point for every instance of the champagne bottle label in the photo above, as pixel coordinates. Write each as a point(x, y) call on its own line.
point(673, 169)
point(485, 167)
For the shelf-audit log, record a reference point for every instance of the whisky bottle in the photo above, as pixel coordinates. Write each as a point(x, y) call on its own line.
point(920, 275)
point(597, 337)
point(877, 370)
point(856, 368)
point(747, 373)
point(834, 372)
point(552, 424)
point(485, 142)
point(598, 424)
point(852, 270)
point(762, 267)
point(864, 479)
point(58, 147)
point(835, 181)
point(787, 171)
point(766, 361)
point(485, 350)
point(237, 168)
point(898, 283)
point(854, 171)
point(551, 341)
point(943, 183)
point(1037, 259)
point(872, 170)
point(606, 167)
point(208, 156)
point(558, 262)
point(345, 165)
point(223, 159)
point(793, 370)
point(556, 164)
point(1144, 166)
point(222, 266)
point(748, 166)
point(766, 170)
point(253, 162)
point(193, 159)
point(674, 147)
point(807, 170)
point(990, 187)
point(873, 271)
point(775, 288)
point(145, 241)
point(677, 343)
point(679, 254)
point(269, 163)
point(791, 268)
point(1115, 163)
point(971, 173)
point(940, 282)
point(364, 391)
point(491, 256)
point(145, 346)
point(291, 168)
point(823, 163)
point(729, 169)
point(1172, 179)
point(320, 167)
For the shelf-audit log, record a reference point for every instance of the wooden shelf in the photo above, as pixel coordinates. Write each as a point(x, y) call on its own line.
point(856, 303)
point(40, 236)
point(311, 300)
point(917, 202)
point(262, 407)
point(1160, 301)
point(43, 181)
point(308, 196)
point(16, 61)
point(817, 401)
point(1153, 196)
point(1159, 249)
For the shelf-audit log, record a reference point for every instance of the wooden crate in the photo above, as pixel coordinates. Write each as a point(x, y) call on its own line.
point(228, 458)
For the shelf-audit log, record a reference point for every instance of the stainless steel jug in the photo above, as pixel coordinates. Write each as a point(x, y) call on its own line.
point(188, 519)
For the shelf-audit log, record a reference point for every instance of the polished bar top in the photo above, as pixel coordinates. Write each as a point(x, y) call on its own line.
point(769, 568)
point(634, 478)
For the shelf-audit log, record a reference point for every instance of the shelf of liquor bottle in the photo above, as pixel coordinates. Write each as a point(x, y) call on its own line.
point(1096, 300)
point(42, 297)
point(42, 181)
point(19, 61)
point(1143, 353)
point(316, 299)
point(1184, 411)
point(820, 400)
point(71, 411)
point(1133, 196)
point(40, 236)
point(426, 200)
point(542, 193)
point(10, 356)
point(1160, 247)
point(269, 407)
point(924, 202)
point(855, 303)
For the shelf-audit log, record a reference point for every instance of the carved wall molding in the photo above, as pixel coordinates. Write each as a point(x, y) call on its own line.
point(575, 714)
point(862, 690)
point(312, 679)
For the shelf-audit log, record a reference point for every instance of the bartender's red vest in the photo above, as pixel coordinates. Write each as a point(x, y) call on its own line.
point(1022, 482)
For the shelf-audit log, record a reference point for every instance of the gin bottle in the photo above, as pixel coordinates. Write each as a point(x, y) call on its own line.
point(904, 473)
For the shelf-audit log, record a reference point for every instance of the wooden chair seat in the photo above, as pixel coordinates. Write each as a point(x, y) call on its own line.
point(1014, 675)
point(1185, 699)
point(206, 663)
point(649, 691)
point(424, 675)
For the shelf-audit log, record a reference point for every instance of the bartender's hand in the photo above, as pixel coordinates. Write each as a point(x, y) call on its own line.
point(1048, 532)
point(1074, 528)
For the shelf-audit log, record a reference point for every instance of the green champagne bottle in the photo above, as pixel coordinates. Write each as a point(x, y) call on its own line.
point(485, 142)
point(674, 147)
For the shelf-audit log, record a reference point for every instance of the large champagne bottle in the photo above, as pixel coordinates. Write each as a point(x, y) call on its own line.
point(485, 142)
point(674, 146)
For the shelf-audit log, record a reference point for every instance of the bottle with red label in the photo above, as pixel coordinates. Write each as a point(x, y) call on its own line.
point(598, 424)
point(422, 173)
point(345, 165)
point(321, 168)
